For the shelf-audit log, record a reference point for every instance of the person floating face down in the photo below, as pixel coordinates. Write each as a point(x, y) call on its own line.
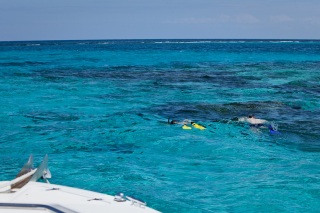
point(258, 123)
point(185, 123)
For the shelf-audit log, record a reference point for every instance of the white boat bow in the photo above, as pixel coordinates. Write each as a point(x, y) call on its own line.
point(24, 194)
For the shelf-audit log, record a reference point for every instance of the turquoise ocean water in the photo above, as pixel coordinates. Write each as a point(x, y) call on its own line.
point(99, 109)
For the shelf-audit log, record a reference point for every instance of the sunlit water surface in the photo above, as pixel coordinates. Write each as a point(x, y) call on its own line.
point(99, 109)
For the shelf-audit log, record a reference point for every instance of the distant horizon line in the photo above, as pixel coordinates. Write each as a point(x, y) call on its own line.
point(136, 39)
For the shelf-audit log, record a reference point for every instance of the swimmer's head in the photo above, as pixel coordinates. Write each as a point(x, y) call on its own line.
point(173, 122)
point(251, 116)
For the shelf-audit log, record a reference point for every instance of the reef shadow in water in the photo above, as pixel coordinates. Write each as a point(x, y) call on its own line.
point(213, 112)
point(23, 64)
point(291, 120)
point(167, 76)
point(50, 116)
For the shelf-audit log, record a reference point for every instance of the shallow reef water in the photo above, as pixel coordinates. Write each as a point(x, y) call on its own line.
point(100, 108)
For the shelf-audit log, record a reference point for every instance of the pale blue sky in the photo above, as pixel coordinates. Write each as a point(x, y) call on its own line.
point(152, 19)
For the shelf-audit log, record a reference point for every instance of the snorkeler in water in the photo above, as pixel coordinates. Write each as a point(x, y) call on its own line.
point(259, 123)
point(185, 124)
point(252, 120)
point(185, 121)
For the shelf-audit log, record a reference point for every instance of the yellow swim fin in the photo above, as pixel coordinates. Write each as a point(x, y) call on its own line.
point(186, 127)
point(198, 126)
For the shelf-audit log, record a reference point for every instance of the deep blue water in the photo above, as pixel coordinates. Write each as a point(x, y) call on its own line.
point(99, 109)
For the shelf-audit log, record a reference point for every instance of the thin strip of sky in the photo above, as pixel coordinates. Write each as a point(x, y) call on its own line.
point(143, 19)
